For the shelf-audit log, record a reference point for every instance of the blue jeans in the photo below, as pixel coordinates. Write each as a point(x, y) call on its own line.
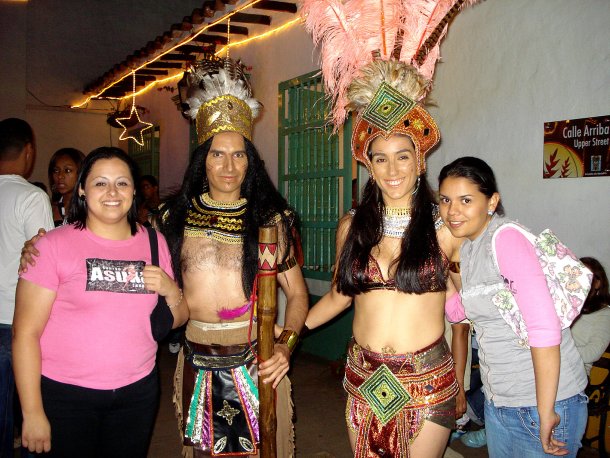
point(7, 392)
point(514, 432)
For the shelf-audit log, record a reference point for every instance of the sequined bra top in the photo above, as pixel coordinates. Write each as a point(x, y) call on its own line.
point(374, 277)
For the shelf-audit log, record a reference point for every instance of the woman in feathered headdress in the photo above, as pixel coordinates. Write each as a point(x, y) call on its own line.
point(393, 251)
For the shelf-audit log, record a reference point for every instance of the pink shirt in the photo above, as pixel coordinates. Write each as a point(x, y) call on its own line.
point(98, 334)
point(519, 266)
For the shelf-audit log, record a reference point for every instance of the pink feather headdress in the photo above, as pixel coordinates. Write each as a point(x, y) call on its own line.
point(353, 33)
point(378, 58)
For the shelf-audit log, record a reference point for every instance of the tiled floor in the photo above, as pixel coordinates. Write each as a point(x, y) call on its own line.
point(319, 406)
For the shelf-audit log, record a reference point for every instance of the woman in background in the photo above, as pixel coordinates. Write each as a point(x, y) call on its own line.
point(149, 199)
point(591, 331)
point(535, 403)
point(64, 167)
point(84, 355)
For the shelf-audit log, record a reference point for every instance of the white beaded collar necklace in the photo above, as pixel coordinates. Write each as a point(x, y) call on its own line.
point(395, 221)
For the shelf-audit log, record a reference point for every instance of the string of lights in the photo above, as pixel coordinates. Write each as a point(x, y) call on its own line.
point(182, 43)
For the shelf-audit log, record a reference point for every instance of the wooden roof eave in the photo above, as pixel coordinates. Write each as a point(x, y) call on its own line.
point(162, 62)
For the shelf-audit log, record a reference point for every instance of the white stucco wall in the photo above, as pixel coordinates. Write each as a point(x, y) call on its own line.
point(13, 57)
point(174, 136)
point(507, 67)
point(63, 128)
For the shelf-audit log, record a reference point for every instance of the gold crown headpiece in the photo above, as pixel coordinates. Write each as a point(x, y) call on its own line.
point(377, 59)
point(220, 99)
point(387, 99)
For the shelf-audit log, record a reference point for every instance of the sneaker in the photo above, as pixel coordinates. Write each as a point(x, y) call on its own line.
point(474, 439)
point(174, 348)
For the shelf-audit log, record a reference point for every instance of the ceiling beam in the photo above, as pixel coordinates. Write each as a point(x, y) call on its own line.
point(282, 7)
point(147, 71)
point(235, 29)
point(157, 64)
point(189, 49)
point(247, 18)
point(173, 56)
point(211, 39)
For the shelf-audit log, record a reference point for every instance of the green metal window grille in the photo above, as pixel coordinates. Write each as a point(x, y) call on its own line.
point(147, 155)
point(314, 168)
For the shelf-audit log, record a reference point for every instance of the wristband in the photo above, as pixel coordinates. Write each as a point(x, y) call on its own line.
point(289, 338)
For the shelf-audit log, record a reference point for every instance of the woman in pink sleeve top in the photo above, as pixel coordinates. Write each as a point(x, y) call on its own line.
point(535, 403)
point(84, 354)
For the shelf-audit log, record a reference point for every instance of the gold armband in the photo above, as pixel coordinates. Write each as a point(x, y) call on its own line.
point(290, 338)
point(287, 265)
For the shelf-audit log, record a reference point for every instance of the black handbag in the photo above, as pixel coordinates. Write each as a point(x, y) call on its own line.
point(161, 318)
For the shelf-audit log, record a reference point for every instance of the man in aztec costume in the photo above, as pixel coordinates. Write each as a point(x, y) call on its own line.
point(377, 59)
point(212, 229)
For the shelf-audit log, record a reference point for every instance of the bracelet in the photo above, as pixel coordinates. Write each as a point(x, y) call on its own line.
point(179, 300)
point(287, 265)
point(289, 338)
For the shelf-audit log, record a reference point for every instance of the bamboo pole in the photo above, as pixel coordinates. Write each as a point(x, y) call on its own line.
point(266, 313)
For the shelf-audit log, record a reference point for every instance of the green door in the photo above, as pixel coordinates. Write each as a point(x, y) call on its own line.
point(315, 176)
point(147, 154)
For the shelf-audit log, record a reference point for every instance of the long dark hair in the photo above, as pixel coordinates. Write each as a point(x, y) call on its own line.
point(78, 207)
point(264, 203)
point(599, 297)
point(476, 171)
point(420, 266)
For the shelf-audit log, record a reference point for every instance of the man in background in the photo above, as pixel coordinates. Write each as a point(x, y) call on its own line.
point(24, 208)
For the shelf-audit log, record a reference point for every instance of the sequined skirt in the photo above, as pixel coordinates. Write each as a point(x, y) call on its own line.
point(391, 396)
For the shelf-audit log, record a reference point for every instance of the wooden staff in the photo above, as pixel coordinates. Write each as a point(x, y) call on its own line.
point(266, 312)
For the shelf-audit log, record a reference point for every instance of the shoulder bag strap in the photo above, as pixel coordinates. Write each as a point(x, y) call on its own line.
point(154, 246)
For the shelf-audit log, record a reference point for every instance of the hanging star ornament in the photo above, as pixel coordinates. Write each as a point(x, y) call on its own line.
point(133, 119)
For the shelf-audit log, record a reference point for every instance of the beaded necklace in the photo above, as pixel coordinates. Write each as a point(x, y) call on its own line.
point(220, 221)
point(395, 221)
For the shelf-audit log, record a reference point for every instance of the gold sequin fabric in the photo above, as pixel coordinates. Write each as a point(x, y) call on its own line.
point(220, 221)
point(225, 113)
point(427, 375)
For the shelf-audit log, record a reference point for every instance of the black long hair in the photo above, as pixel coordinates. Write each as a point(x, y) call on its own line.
point(264, 204)
point(420, 266)
point(476, 171)
point(78, 206)
point(599, 297)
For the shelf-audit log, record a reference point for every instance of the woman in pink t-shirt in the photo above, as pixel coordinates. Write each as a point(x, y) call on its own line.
point(84, 353)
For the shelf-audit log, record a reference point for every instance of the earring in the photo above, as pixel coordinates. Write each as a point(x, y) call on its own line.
point(82, 197)
point(490, 212)
point(417, 185)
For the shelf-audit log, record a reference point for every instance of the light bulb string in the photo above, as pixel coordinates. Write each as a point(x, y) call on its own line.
point(133, 90)
point(228, 36)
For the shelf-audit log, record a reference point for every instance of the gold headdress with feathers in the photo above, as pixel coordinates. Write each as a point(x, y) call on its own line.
point(220, 99)
point(377, 59)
